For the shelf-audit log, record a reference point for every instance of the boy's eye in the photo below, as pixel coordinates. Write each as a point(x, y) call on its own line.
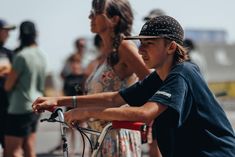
point(147, 43)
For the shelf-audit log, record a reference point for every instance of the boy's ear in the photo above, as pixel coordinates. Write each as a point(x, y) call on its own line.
point(172, 47)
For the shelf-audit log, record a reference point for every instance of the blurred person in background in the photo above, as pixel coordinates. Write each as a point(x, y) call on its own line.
point(24, 83)
point(5, 67)
point(195, 56)
point(80, 48)
point(74, 82)
point(154, 13)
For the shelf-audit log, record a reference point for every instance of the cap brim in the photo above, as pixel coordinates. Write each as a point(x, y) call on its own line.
point(9, 27)
point(141, 37)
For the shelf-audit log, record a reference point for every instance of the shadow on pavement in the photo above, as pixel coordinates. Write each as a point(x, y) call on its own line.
point(56, 155)
point(48, 155)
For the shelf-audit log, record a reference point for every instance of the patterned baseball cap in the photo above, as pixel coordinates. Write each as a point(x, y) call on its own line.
point(161, 27)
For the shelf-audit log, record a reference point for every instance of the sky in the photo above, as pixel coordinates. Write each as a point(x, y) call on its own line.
point(60, 22)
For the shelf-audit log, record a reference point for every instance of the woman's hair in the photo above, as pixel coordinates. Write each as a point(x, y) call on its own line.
point(181, 53)
point(27, 35)
point(119, 8)
point(97, 41)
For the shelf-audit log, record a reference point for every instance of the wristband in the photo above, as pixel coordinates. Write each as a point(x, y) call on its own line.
point(74, 102)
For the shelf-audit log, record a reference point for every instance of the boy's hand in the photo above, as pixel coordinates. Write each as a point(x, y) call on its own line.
point(74, 116)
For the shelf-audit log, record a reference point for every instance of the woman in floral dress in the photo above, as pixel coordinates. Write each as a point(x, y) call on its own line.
point(121, 67)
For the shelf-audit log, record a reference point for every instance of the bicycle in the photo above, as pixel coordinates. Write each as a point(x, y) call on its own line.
point(58, 116)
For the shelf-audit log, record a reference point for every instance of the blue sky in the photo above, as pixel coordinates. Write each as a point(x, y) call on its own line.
point(61, 21)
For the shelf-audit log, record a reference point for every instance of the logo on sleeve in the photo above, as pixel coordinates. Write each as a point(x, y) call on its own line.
point(163, 93)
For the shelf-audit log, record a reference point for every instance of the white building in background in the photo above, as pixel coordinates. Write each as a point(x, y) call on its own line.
point(218, 54)
point(206, 35)
point(220, 60)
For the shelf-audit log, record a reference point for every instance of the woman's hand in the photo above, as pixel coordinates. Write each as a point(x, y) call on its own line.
point(44, 103)
point(73, 116)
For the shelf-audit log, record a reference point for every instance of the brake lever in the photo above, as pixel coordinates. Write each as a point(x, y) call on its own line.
point(55, 113)
point(48, 120)
point(54, 120)
point(53, 116)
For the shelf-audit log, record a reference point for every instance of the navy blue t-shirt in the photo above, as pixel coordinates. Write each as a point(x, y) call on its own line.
point(194, 124)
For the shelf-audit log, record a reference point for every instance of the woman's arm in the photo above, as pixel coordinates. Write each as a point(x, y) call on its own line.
point(11, 80)
point(107, 99)
point(130, 56)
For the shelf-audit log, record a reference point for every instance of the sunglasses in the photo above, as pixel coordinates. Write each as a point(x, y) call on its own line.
point(94, 12)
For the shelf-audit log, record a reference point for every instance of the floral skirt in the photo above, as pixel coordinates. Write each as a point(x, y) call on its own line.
point(117, 142)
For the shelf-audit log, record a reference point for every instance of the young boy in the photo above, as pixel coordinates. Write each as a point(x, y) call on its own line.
point(188, 120)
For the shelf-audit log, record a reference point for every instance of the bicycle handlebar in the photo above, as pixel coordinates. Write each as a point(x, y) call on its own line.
point(138, 126)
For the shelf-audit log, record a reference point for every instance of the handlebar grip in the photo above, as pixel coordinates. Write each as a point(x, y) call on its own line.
point(139, 126)
point(129, 125)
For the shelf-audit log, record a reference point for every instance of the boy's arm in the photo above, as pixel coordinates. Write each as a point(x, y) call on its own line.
point(146, 113)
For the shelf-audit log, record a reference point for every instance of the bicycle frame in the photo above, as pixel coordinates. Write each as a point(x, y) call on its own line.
point(59, 113)
point(142, 127)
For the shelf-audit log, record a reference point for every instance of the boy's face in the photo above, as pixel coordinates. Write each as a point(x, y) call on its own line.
point(154, 52)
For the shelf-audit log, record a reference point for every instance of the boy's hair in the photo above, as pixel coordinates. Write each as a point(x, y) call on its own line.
point(181, 53)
